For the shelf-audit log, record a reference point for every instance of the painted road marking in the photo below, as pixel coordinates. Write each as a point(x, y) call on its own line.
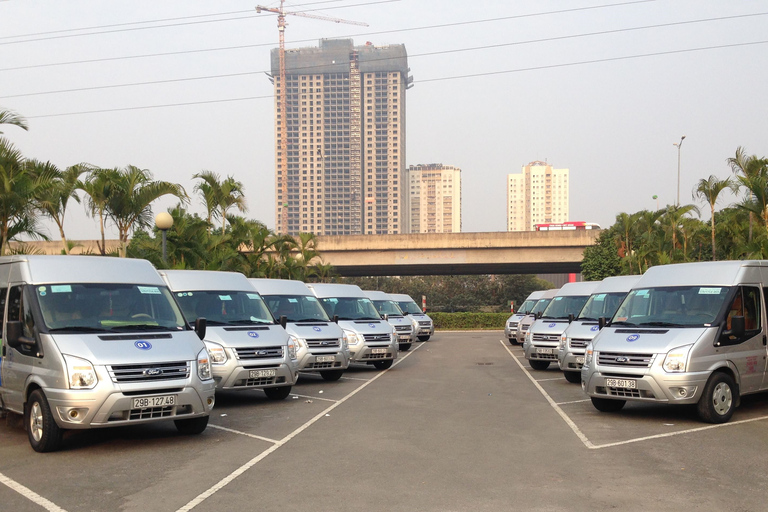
point(30, 494)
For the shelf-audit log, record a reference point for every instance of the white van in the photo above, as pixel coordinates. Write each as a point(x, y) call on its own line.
point(543, 337)
point(600, 307)
point(510, 327)
point(423, 326)
point(541, 304)
point(391, 312)
point(371, 340)
point(690, 333)
point(320, 342)
point(92, 342)
point(249, 350)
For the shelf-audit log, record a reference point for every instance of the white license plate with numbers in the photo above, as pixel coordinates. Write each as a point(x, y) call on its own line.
point(379, 350)
point(153, 401)
point(325, 359)
point(540, 350)
point(579, 359)
point(260, 374)
point(621, 383)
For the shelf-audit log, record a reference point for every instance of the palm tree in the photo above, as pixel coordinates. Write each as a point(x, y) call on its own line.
point(747, 167)
point(709, 190)
point(672, 221)
point(128, 203)
point(208, 188)
point(231, 195)
point(12, 118)
point(52, 201)
point(219, 196)
point(756, 202)
point(98, 187)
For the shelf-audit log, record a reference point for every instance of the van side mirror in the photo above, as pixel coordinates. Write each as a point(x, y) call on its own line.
point(738, 328)
point(13, 333)
point(283, 320)
point(571, 318)
point(200, 327)
point(385, 317)
point(335, 319)
point(602, 322)
point(539, 314)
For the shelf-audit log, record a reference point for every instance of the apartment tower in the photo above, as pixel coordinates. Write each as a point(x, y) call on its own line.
point(435, 198)
point(345, 119)
point(537, 195)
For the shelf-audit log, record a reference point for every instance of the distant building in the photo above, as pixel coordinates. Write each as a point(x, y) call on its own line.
point(434, 192)
point(346, 138)
point(537, 195)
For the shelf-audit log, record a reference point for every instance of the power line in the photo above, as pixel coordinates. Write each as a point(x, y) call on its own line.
point(439, 79)
point(441, 52)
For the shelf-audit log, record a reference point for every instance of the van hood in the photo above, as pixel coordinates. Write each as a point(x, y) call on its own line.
point(367, 326)
point(656, 341)
point(582, 330)
point(111, 349)
point(314, 330)
point(549, 326)
point(398, 320)
point(247, 336)
point(516, 317)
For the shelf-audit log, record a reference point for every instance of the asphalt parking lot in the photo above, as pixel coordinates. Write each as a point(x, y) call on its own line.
point(459, 423)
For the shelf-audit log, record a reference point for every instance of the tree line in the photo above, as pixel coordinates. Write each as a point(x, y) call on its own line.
point(673, 234)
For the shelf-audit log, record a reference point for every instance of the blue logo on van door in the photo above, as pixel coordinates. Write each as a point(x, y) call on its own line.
point(143, 345)
point(595, 328)
point(253, 334)
point(316, 329)
point(633, 337)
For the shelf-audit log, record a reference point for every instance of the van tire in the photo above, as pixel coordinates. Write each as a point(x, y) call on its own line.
point(191, 426)
point(278, 393)
point(383, 365)
point(405, 347)
point(513, 341)
point(539, 365)
point(44, 434)
point(573, 377)
point(718, 400)
point(331, 375)
point(423, 338)
point(608, 405)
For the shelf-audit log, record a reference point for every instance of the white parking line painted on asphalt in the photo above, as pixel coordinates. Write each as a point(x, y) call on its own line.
point(314, 397)
point(573, 402)
point(353, 378)
point(248, 465)
point(30, 494)
point(246, 434)
point(547, 380)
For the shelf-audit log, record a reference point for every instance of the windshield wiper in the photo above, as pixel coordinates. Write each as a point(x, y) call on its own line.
point(140, 327)
point(661, 324)
point(553, 318)
point(247, 322)
point(308, 320)
point(78, 328)
point(586, 319)
point(623, 323)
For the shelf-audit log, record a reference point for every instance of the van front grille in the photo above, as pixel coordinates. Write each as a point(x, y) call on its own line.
point(259, 352)
point(323, 343)
point(624, 360)
point(579, 342)
point(549, 338)
point(377, 338)
point(149, 372)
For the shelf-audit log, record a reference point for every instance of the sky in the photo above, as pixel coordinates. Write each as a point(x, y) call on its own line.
point(604, 88)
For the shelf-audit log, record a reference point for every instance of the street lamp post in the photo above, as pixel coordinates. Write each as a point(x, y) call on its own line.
point(164, 221)
point(679, 145)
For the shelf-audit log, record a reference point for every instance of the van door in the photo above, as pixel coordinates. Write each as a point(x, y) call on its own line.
point(747, 353)
point(20, 362)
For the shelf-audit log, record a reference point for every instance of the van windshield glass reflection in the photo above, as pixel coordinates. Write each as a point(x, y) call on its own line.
point(678, 306)
point(350, 308)
point(224, 307)
point(296, 308)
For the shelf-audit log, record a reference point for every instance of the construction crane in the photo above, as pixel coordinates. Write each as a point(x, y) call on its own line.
point(282, 100)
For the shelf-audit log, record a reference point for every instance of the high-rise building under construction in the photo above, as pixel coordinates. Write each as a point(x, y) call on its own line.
point(345, 119)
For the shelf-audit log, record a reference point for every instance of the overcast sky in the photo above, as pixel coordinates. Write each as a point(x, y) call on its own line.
point(601, 87)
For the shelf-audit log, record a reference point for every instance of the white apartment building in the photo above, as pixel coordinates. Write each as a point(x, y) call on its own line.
point(434, 198)
point(537, 195)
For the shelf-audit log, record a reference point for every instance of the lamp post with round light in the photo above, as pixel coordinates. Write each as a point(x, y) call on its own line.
point(679, 145)
point(164, 221)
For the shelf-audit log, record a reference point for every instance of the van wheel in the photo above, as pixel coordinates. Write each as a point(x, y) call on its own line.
point(44, 434)
point(608, 405)
point(331, 375)
point(573, 377)
point(278, 393)
point(513, 341)
point(423, 338)
point(539, 365)
point(717, 403)
point(405, 347)
point(382, 365)
point(191, 426)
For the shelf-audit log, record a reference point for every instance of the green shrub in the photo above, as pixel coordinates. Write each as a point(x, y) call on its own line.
point(459, 321)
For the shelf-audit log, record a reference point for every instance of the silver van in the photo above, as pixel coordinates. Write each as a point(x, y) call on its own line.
point(543, 337)
point(541, 304)
point(510, 327)
point(600, 306)
point(320, 342)
point(689, 333)
point(371, 340)
point(423, 327)
point(249, 349)
point(391, 312)
point(93, 342)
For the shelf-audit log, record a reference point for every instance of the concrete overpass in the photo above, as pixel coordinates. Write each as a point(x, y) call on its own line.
point(527, 252)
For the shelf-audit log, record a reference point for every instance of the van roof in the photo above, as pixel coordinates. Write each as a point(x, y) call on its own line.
point(617, 284)
point(191, 280)
point(47, 269)
point(280, 286)
point(548, 294)
point(535, 295)
point(329, 290)
point(577, 289)
point(377, 295)
point(723, 273)
point(401, 297)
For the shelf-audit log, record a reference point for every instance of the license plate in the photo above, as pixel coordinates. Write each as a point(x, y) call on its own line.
point(621, 383)
point(325, 359)
point(259, 374)
point(153, 401)
point(379, 350)
point(405, 338)
point(540, 350)
point(579, 359)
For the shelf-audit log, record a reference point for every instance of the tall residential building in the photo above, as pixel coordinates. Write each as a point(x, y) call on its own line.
point(346, 138)
point(434, 192)
point(537, 195)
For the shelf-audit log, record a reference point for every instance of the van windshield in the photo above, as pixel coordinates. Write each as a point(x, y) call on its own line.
point(95, 307)
point(541, 305)
point(672, 306)
point(350, 308)
point(296, 308)
point(224, 307)
point(526, 307)
point(562, 307)
point(601, 305)
point(388, 307)
point(410, 307)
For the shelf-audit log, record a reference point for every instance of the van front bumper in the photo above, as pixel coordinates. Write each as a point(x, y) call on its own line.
point(571, 360)
point(680, 388)
point(541, 352)
point(238, 375)
point(365, 353)
point(309, 362)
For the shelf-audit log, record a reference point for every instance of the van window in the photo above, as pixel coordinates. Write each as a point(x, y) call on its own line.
point(746, 303)
point(296, 308)
point(224, 307)
point(672, 306)
point(350, 308)
point(19, 310)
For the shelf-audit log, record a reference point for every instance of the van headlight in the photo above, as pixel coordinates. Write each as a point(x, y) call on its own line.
point(217, 352)
point(298, 341)
point(564, 341)
point(588, 353)
point(528, 337)
point(293, 347)
point(343, 343)
point(81, 373)
point(204, 365)
point(351, 337)
point(677, 359)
